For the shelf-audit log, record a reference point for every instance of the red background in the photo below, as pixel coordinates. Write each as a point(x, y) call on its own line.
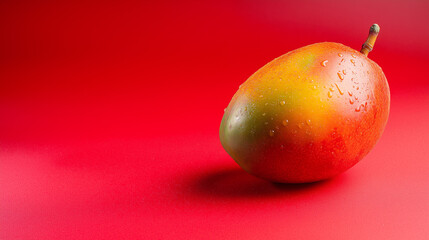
point(109, 117)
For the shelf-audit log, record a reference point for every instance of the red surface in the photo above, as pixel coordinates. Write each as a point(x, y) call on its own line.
point(110, 114)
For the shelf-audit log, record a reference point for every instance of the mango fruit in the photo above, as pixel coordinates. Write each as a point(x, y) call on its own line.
point(309, 114)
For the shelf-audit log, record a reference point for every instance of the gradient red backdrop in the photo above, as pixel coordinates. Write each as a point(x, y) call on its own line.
point(109, 117)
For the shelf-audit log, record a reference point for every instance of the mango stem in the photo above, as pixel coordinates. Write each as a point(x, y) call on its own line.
point(372, 36)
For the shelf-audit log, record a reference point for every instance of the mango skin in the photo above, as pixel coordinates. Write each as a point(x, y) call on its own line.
point(308, 115)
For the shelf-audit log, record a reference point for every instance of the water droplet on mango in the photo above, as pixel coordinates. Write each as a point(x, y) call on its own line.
point(357, 109)
point(324, 63)
point(285, 122)
point(339, 90)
